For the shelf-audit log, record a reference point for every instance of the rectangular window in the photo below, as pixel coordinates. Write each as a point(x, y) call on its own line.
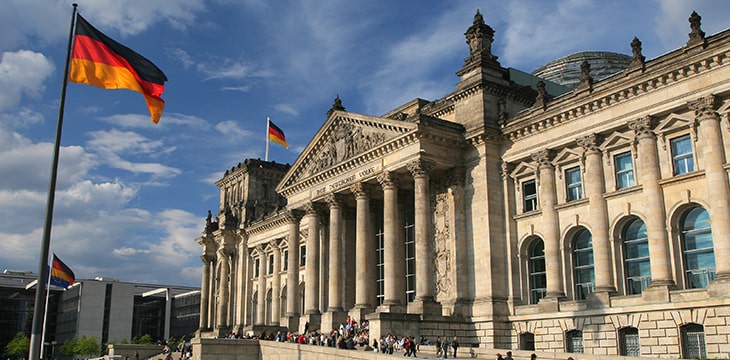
point(624, 170)
point(682, 156)
point(410, 252)
point(256, 268)
point(574, 185)
point(286, 260)
point(303, 255)
point(271, 264)
point(529, 195)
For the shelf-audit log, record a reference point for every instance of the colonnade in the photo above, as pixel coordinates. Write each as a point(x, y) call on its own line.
point(328, 213)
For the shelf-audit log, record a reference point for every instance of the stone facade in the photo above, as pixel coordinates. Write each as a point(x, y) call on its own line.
point(591, 221)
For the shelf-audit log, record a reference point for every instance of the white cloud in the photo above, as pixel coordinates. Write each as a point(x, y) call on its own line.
point(143, 120)
point(22, 73)
point(232, 131)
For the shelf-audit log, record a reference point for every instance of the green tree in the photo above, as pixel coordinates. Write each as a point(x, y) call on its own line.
point(19, 346)
point(146, 339)
point(87, 346)
point(68, 346)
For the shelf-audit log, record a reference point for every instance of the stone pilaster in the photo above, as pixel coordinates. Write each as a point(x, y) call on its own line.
point(364, 253)
point(205, 292)
point(261, 293)
point(276, 285)
point(550, 226)
point(224, 293)
point(292, 275)
point(716, 179)
point(394, 264)
point(335, 254)
point(598, 213)
point(425, 301)
point(653, 203)
point(311, 274)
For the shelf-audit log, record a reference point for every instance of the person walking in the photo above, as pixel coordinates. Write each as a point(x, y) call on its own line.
point(455, 345)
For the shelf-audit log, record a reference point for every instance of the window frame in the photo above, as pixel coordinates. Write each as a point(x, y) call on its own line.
point(570, 185)
point(618, 172)
point(704, 274)
point(529, 199)
point(536, 293)
point(577, 252)
point(626, 242)
point(686, 158)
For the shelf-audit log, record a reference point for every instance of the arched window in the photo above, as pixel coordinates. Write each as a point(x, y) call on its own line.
point(693, 341)
point(574, 341)
point(536, 268)
point(629, 341)
point(636, 257)
point(697, 249)
point(585, 278)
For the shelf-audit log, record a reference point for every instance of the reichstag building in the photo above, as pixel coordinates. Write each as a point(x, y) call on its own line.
point(513, 212)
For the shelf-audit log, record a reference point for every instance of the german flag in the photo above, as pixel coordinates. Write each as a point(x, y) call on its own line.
point(276, 135)
point(102, 62)
point(61, 275)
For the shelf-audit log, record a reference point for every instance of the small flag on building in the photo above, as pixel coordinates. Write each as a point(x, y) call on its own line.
point(276, 135)
point(61, 275)
point(102, 62)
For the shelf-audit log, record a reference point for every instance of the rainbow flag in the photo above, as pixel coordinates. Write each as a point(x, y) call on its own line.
point(61, 275)
point(102, 62)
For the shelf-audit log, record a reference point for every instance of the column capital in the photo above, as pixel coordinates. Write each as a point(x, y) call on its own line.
point(589, 143)
point(543, 158)
point(293, 215)
point(333, 200)
point(361, 190)
point(642, 127)
point(206, 259)
point(388, 180)
point(420, 167)
point(704, 108)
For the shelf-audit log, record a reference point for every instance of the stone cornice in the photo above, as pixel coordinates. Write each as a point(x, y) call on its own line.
point(660, 73)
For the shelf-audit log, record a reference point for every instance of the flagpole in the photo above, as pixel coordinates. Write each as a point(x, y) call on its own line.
point(268, 128)
point(38, 309)
point(45, 317)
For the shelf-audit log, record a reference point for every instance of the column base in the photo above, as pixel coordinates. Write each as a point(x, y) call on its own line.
point(314, 321)
point(331, 320)
point(425, 307)
point(720, 287)
point(599, 300)
point(549, 304)
point(392, 308)
point(359, 311)
point(291, 322)
point(657, 292)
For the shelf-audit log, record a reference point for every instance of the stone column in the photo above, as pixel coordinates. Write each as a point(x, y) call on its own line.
point(550, 225)
point(224, 263)
point(276, 285)
point(364, 252)
point(205, 292)
point(394, 263)
point(597, 213)
point(425, 267)
point(653, 203)
point(311, 272)
point(292, 274)
point(261, 293)
point(716, 178)
point(335, 253)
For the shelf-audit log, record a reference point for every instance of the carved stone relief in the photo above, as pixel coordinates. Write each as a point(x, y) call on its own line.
point(343, 142)
point(442, 235)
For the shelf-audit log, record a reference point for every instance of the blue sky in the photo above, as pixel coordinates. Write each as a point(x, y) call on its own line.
point(133, 196)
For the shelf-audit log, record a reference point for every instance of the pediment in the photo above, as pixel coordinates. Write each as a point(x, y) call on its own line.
point(616, 140)
point(566, 156)
point(523, 169)
point(674, 122)
point(344, 136)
